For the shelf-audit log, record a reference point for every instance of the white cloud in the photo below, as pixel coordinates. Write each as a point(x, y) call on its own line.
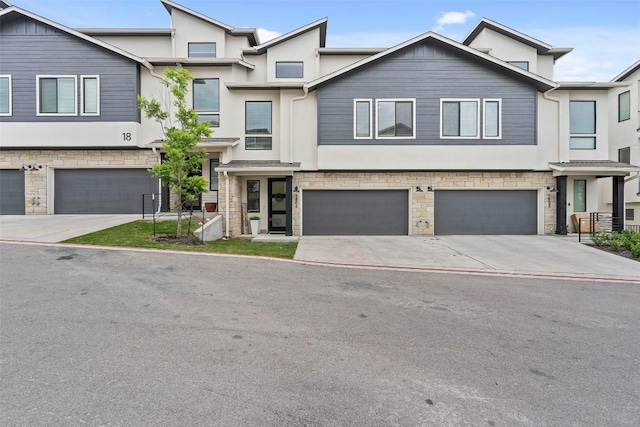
point(266, 35)
point(451, 18)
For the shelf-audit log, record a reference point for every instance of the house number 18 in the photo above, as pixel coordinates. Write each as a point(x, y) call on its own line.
point(126, 136)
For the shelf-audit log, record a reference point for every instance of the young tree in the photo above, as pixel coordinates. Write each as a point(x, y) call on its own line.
point(182, 132)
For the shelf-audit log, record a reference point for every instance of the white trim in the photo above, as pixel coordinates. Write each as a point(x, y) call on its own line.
point(75, 96)
point(484, 118)
point(97, 77)
point(10, 95)
point(413, 118)
point(355, 127)
point(477, 101)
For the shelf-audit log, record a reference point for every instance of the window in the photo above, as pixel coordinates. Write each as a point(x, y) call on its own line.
point(202, 50)
point(624, 106)
point(362, 119)
point(492, 113)
point(5, 95)
point(629, 214)
point(520, 64)
point(582, 117)
point(253, 196)
point(624, 155)
point(289, 70)
point(213, 175)
point(395, 118)
point(460, 118)
point(258, 122)
point(580, 195)
point(206, 100)
point(90, 96)
point(56, 95)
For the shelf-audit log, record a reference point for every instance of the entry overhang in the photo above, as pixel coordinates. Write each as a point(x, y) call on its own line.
point(259, 167)
point(597, 168)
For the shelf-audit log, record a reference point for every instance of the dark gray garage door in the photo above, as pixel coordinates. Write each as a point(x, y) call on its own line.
point(486, 212)
point(11, 192)
point(355, 212)
point(101, 191)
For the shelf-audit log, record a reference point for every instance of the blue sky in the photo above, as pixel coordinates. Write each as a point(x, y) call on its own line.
point(605, 35)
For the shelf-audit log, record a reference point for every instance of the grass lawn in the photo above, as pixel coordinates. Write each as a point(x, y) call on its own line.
point(139, 234)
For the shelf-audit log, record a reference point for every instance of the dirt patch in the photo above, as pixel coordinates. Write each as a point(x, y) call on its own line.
point(178, 240)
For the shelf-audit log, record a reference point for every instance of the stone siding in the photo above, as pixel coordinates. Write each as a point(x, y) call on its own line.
point(36, 180)
point(422, 203)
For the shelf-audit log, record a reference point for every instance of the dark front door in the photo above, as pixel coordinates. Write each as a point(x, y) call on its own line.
point(277, 205)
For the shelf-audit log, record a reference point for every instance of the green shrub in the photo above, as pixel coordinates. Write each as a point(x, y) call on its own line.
point(635, 249)
point(615, 244)
point(600, 239)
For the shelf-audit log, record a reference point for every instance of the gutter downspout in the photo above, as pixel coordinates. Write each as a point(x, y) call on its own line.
point(157, 153)
point(546, 96)
point(291, 101)
point(226, 206)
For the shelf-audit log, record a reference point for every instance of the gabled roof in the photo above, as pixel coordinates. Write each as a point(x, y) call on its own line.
point(17, 10)
point(626, 73)
point(542, 83)
point(262, 48)
point(542, 47)
point(250, 33)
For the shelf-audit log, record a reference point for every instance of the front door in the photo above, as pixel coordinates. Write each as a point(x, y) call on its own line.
point(277, 205)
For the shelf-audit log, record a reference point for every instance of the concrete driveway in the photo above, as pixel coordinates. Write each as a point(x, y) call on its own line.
point(56, 228)
point(530, 255)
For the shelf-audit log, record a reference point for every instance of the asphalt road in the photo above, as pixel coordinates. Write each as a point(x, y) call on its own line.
point(109, 337)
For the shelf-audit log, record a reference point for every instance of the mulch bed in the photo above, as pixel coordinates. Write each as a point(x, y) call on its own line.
point(178, 240)
point(623, 252)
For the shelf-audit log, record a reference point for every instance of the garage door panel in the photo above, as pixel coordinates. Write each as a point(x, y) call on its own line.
point(11, 192)
point(102, 191)
point(486, 212)
point(355, 212)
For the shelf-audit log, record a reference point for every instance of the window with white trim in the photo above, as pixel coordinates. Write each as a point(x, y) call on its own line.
point(206, 100)
point(395, 118)
point(90, 95)
point(56, 96)
point(258, 127)
point(459, 118)
point(5, 95)
point(520, 64)
point(492, 118)
point(362, 119)
point(582, 125)
point(201, 50)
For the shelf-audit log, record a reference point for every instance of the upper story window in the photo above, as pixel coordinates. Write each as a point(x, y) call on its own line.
point(362, 119)
point(624, 155)
point(289, 69)
point(202, 50)
point(582, 118)
point(624, 106)
point(258, 122)
point(90, 96)
point(492, 118)
point(5, 95)
point(56, 96)
point(395, 118)
point(206, 100)
point(460, 118)
point(520, 64)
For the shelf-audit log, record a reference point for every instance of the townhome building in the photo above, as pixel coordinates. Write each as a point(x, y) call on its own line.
point(428, 137)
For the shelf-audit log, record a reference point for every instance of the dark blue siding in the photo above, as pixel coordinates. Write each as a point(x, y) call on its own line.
point(427, 72)
point(29, 48)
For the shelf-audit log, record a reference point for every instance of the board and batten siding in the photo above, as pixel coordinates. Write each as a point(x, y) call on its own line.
point(428, 72)
point(29, 48)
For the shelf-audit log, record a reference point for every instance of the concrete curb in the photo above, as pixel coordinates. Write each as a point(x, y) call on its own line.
point(443, 270)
